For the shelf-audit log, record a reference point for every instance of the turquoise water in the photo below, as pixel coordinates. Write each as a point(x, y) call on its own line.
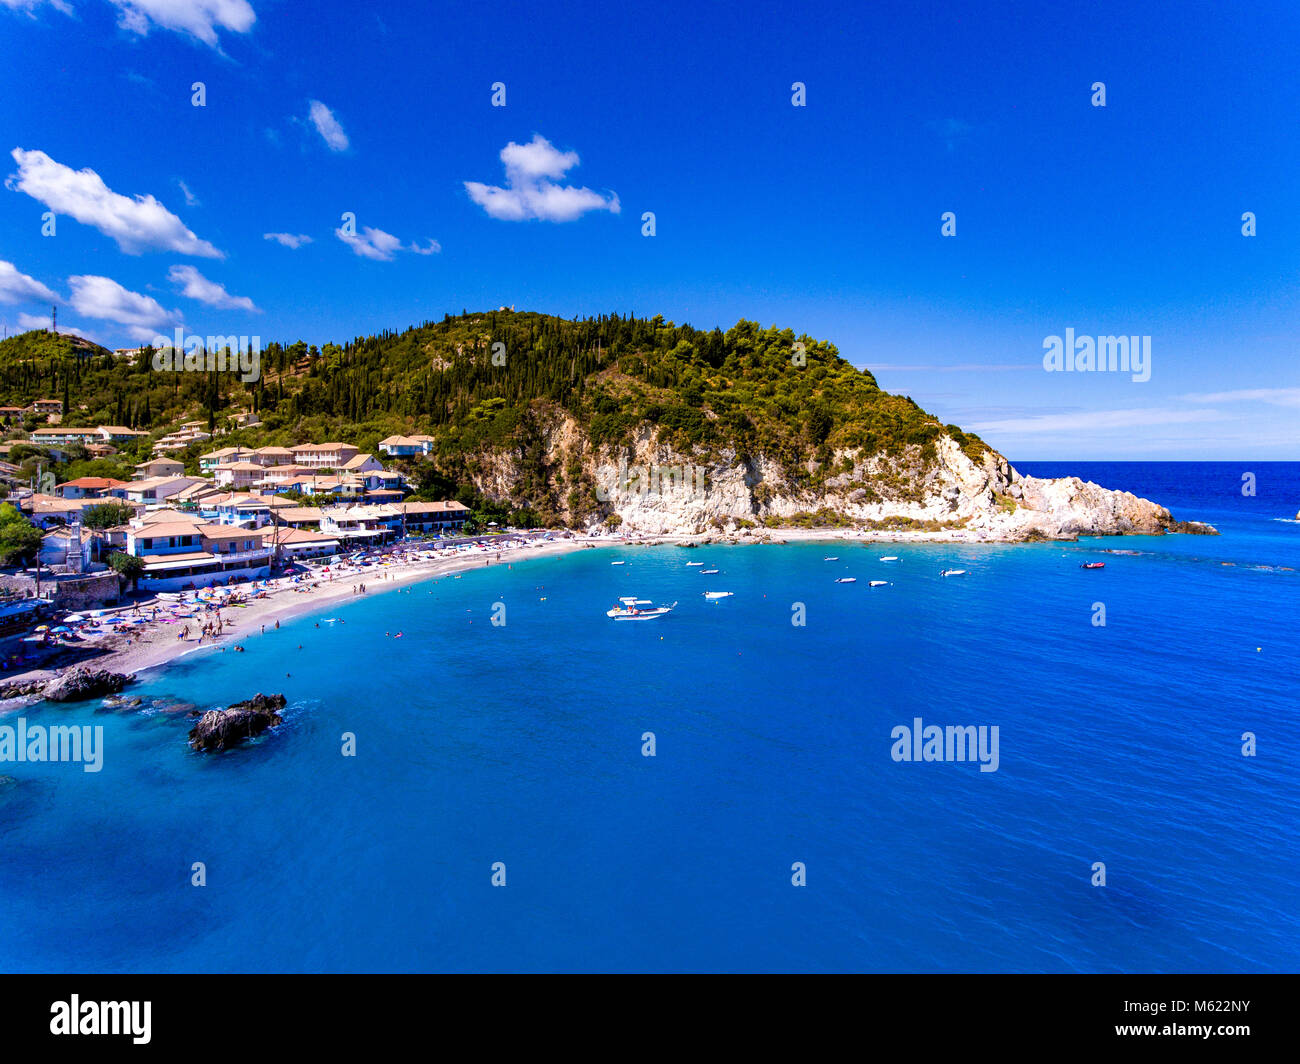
point(522, 744)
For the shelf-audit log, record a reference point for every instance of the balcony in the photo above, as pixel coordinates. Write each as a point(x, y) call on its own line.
point(262, 556)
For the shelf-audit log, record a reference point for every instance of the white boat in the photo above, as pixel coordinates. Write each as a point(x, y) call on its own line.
point(846, 579)
point(879, 583)
point(890, 558)
point(832, 558)
point(709, 572)
point(689, 564)
point(635, 609)
point(618, 563)
point(718, 594)
point(953, 572)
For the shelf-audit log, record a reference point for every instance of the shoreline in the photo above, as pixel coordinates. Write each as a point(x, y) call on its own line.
point(286, 606)
point(157, 647)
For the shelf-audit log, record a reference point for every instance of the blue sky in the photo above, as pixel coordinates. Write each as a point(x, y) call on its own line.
point(825, 218)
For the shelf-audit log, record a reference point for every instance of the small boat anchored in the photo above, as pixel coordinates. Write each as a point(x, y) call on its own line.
point(618, 563)
point(1093, 565)
point(715, 595)
point(878, 583)
point(689, 564)
point(831, 558)
point(890, 558)
point(709, 572)
point(846, 579)
point(953, 572)
point(635, 609)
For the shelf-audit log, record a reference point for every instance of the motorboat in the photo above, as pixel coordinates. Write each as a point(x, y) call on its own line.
point(846, 579)
point(635, 609)
point(831, 558)
point(709, 572)
point(1093, 565)
point(718, 594)
point(879, 583)
point(689, 564)
point(890, 558)
point(953, 572)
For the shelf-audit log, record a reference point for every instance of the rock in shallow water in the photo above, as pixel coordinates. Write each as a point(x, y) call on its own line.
point(81, 683)
point(218, 729)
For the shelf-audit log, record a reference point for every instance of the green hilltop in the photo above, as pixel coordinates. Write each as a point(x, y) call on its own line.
point(486, 382)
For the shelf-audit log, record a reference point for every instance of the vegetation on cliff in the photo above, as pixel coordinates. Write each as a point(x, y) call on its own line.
point(487, 383)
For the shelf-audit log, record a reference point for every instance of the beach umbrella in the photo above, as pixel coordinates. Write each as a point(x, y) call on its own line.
point(41, 628)
point(74, 618)
point(61, 628)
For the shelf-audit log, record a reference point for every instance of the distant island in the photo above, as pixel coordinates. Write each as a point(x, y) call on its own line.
point(537, 421)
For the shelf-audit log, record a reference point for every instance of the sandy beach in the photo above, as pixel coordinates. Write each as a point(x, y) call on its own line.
point(156, 643)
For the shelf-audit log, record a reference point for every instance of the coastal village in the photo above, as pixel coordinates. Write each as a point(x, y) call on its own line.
point(248, 523)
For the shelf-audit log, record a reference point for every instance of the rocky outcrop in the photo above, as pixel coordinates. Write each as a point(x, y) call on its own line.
point(122, 702)
point(940, 492)
point(218, 729)
point(23, 689)
point(80, 683)
point(1192, 528)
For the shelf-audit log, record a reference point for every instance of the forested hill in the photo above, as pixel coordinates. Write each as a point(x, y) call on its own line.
point(482, 379)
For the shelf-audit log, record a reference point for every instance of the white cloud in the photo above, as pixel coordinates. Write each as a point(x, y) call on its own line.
point(289, 240)
point(30, 6)
point(371, 243)
point(191, 200)
point(530, 190)
point(41, 321)
point(198, 18)
point(17, 287)
point(1098, 420)
point(327, 126)
point(194, 285)
point(104, 298)
point(380, 246)
point(1272, 396)
point(139, 224)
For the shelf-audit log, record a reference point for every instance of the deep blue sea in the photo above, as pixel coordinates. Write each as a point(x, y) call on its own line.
point(522, 744)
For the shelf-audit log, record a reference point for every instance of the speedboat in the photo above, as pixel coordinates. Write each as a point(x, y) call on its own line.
point(709, 572)
point(689, 564)
point(618, 563)
point(846, 579)
point(953, 572)
point(832, 558)
point(890, 558)
point(718, 594)
point(879, 583)
point(1093, 565)
point(635, 609)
